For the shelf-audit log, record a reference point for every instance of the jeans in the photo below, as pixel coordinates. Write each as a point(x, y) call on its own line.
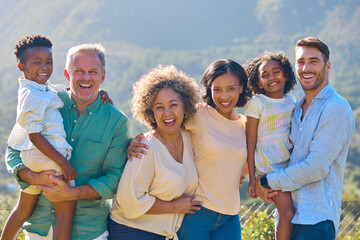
point(324, 230)
point(209, 225)
point(118, 231)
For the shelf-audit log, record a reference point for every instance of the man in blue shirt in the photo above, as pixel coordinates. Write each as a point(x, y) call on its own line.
point(322, 128)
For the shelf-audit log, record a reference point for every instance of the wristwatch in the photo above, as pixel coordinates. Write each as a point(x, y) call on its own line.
point(264, 182)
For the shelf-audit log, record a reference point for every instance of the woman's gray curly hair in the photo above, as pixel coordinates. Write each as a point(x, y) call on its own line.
point(161, 77)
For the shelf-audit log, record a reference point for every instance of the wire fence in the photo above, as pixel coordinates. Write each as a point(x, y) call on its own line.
point(350, 214)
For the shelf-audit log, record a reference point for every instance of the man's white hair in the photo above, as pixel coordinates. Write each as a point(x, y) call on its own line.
point(88, 48)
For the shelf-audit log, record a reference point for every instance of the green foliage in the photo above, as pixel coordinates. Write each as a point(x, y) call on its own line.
point(7, 202)
point(357, 234)
point(351, 188)
point(259, 227)
point(21, 236)
point(358, 228)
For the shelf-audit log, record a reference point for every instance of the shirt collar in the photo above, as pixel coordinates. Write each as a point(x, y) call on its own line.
point(95, 105)
point(89, 109)
point(26, 82)
point(324, 92)
point(321, 95)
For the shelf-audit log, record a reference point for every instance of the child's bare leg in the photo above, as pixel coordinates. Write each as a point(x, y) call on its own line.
point(285, 208)
point(65, 212)
point(18, 216)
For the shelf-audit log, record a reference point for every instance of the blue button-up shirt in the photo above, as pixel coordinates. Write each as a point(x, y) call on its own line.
point(316, 169)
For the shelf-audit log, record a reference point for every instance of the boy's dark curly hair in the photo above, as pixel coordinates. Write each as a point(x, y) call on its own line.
point(218, 68)
point(30, 42)
point(252, 68)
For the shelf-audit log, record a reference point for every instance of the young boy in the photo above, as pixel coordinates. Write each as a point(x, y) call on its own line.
point(39, 134)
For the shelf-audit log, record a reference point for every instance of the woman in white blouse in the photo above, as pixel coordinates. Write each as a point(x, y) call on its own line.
point(155, 192)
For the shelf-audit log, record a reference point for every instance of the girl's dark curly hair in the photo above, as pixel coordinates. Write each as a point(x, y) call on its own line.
point(30, 42)
point(252, 68)
point(218, 68)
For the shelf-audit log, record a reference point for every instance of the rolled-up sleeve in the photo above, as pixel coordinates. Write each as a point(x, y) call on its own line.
point(32, 110)
point(14, 164)
point(114, 162)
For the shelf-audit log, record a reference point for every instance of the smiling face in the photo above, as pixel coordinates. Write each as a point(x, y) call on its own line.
point(37, 65)
point(271, 79)
point(225, 91)
point(85, 75)
point(168, 111)
point(311, 69)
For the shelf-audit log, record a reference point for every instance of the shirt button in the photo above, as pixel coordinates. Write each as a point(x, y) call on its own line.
point(72, 139)
point(74, 121)
point(90, 113)
point(53, 211)
point(300, 129)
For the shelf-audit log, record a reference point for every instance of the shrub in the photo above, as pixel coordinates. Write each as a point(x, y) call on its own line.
point(259, 227)
point(21, 236)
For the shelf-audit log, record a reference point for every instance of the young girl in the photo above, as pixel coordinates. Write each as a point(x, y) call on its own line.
point(268, 116)
point(219, 143)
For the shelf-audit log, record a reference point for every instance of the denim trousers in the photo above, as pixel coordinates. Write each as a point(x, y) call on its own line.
point(119, 231)
point(209, 225)
point(324, 230)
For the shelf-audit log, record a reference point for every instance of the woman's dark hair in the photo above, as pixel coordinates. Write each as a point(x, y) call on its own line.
point(221, 67)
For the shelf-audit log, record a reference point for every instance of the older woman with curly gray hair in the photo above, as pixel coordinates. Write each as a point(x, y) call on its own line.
point(162, 77)
point(155, 192)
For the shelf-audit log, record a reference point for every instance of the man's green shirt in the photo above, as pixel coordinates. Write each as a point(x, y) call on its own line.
point(99, 137)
